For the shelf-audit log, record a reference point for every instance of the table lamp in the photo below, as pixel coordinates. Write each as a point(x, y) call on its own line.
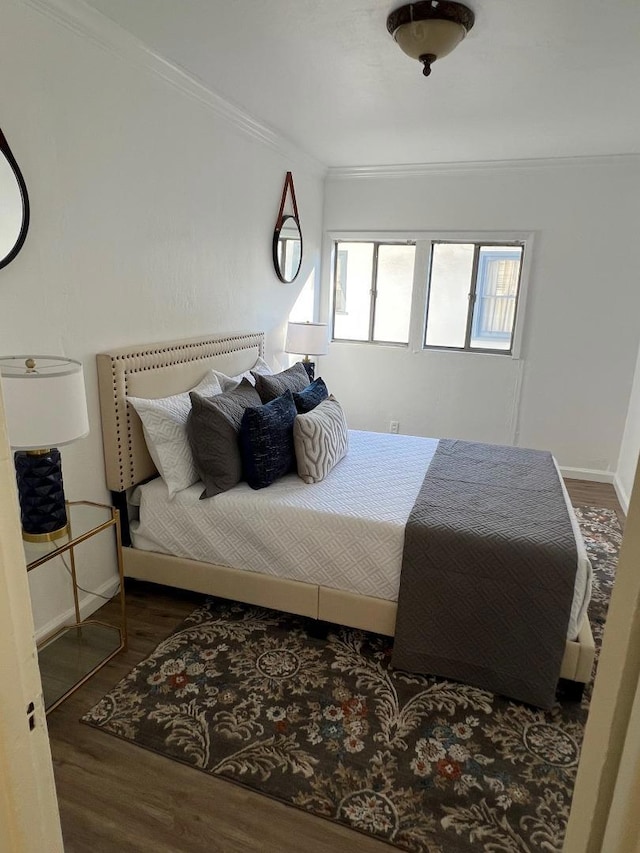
point(45, 406)
point(307, 339)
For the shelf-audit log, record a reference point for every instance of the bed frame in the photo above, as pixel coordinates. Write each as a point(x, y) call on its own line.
point(159, 370)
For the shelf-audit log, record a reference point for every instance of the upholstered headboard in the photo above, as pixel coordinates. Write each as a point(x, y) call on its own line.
point(158, 370)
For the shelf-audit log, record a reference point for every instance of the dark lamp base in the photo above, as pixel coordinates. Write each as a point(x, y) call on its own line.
point(41, 494)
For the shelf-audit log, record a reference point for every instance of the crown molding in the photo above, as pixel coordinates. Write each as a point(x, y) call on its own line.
point(421, 170)
point(88, 23)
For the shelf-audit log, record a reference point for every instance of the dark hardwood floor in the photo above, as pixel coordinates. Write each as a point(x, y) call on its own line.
point(115, 796)
point(595, 494)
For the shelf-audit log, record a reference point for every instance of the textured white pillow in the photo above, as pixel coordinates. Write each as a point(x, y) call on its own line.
point(228, 383)
point(321, 439)
point(164, 423)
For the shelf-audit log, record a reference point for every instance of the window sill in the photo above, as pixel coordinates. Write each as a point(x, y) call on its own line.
point(483, 354)
point(369, 343)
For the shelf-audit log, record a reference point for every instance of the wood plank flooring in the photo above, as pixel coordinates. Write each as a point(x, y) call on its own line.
point(595, 494)
point(115, 796)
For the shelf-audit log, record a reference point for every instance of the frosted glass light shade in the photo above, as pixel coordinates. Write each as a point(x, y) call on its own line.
point(45, 404)
point(430, 29)
point(437, 38)
point(307, 339)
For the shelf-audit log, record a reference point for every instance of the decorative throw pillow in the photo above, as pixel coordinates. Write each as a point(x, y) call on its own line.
point(309, 397)
point(293, 379)
point(266, 441)
point(212, 429)
point(321, 439)
point(228, 383)
point(164, 423)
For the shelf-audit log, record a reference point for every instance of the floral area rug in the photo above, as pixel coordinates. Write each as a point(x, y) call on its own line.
point(326, 725)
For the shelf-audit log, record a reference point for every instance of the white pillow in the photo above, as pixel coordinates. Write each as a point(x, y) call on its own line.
point(164, 423)
point(321, 439)
point(228, 383)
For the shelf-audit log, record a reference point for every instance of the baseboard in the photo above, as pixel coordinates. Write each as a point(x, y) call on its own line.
point(88, 605)
point(587, 474)
point(623, 497)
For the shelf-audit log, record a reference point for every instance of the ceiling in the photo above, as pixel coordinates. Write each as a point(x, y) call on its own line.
point(549, 78)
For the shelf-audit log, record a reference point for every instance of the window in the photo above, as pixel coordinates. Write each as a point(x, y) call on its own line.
point(372, 289)
point(496, 295)
point(454, 291)
point(472, 296)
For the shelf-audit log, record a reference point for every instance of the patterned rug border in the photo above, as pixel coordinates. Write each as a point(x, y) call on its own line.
point(454, 842)
point(226, 780)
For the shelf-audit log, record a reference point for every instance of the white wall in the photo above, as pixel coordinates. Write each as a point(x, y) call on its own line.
point(569, 392)
point(10, 208)
point(152, 218)
point(630, 447)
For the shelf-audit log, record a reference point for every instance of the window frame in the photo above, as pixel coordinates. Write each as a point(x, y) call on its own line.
point(473, 295)
point(373, 290)
point(422, 272)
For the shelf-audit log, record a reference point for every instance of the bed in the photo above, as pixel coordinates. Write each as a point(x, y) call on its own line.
point(299, 578)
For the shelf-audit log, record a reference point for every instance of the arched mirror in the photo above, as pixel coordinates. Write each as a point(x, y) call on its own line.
point(14, 205)
point(287, 237)
point(287, 249)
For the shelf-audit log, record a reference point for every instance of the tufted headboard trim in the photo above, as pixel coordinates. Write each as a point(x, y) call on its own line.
point(157, 370)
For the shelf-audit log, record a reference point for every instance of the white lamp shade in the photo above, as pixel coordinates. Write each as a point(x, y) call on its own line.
point(45, 405)
point(307, 338)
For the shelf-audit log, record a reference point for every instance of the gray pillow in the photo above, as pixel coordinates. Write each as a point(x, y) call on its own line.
point(212, 429)
point(293, 379)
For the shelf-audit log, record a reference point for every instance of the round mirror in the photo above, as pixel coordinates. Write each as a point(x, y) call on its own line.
point(14, 205)
point(287, 249)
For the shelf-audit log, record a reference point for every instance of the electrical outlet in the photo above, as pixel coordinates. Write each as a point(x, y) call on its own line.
point(394, 426)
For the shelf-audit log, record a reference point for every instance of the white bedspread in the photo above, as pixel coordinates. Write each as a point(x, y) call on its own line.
point(346, 532)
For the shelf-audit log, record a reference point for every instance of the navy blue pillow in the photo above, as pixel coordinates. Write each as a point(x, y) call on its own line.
point(309, 397)
point(266, 441)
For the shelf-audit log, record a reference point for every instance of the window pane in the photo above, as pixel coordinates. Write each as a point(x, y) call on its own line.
point(341, 281)
point(353, 303)
point(496, 295)
point(449, 287)
point(394, 284)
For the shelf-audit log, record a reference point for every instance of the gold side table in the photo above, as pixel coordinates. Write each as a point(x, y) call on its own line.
point(71, 655)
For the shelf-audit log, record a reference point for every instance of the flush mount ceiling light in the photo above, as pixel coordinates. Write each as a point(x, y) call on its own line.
point(430, 29)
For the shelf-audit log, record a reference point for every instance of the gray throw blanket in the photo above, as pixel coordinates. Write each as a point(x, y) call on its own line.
point(488, 572)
